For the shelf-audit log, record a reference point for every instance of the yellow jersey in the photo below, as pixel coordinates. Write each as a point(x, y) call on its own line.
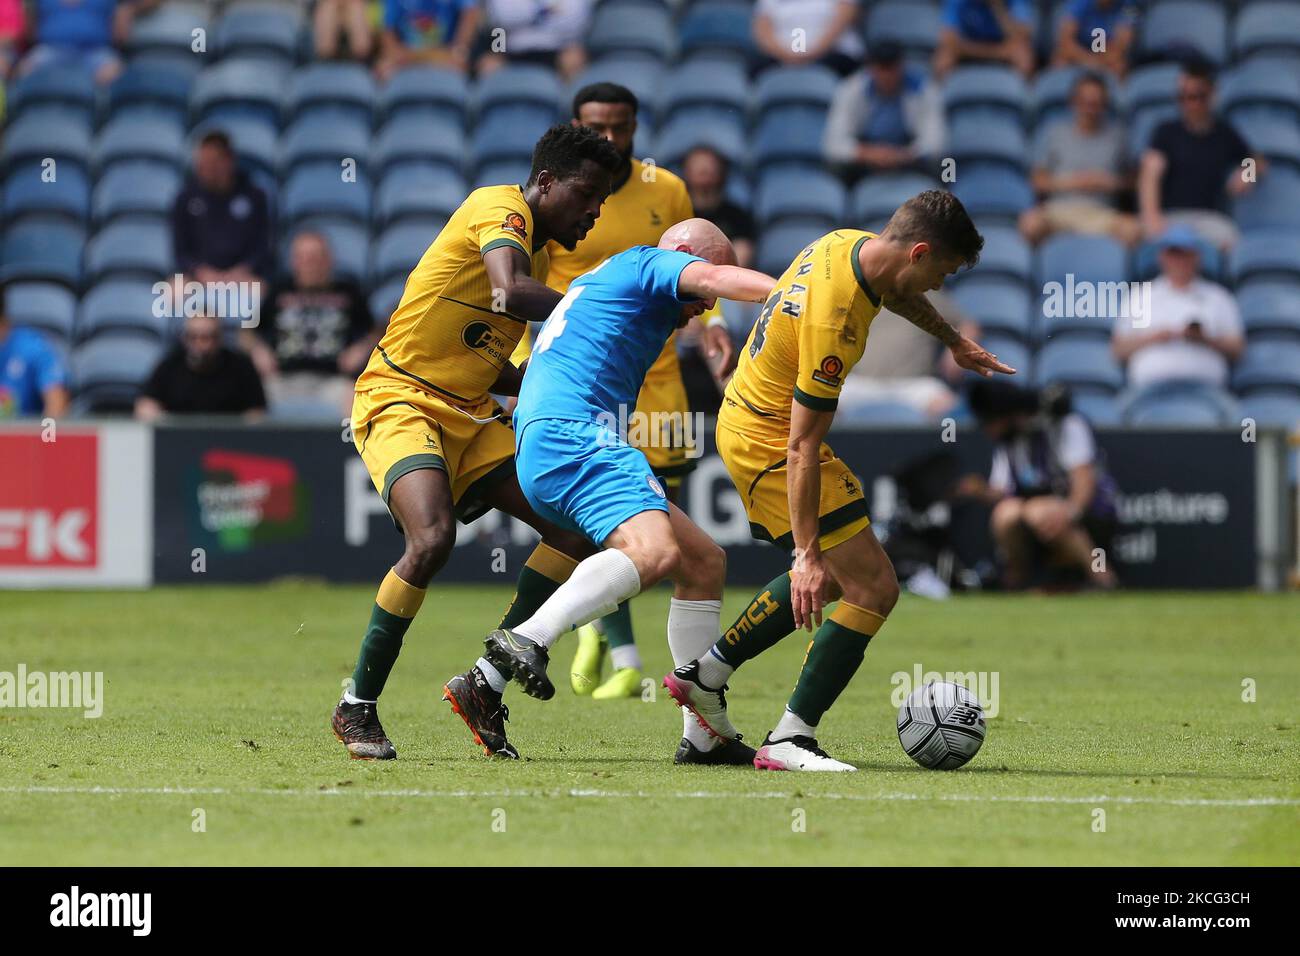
point(812, 330)
point(445, 337)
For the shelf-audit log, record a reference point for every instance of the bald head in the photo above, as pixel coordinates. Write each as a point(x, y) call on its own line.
point(700, 238)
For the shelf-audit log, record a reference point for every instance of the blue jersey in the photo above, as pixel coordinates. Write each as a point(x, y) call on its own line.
point(592, 354)
point(29, 367)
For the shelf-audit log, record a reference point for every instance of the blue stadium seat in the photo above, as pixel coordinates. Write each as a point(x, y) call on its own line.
point(789, 194)
point(877, 412)
point(265, 30)
point(417, 191)
point(1152, 85)
point(1270, 305)
point(1204, 407)
point(109, 370)
point(991, 192)
point(996, 89)
point(1005, 254)
point(996, 303)
point(986, 138)
point(349, 245)
point(320, 139)
point(140, 136)
point(1100, 288)
point(255, 141)
point(27, 192)
point(405, 140)
point(719, 26)
point(318, 189)
point(1098, 407)
point(1267, 252)
point(705, 83)
point(384, 299)
point(1269, 362)
point(502, 172)
point(169, 29)
point(1181, 27)
point(42, 305)
point(424, 91)
point(1276, 138)
point(1258, 84)
point(1146, 261)
point(506, 133)
point(911, 24)
point(1272, 27)
point(1272, 408)
point(1077, 360)
point(42, 251)
point(1142, 127)
point(397, 250)
point(794, 86)
point(138, 188)
point(239, 88)
point(683, 132)
point(121, 305)
point(331, 89)
point(875, 198)
point(513, 86)
point(790, 134)
point(61, 84)
point(779, 244)
point(639, 26)
point(155, 89)
point(47, 131)
point(130, 249)
point(641, 74)
point(1010, 350)
point(1089, 258)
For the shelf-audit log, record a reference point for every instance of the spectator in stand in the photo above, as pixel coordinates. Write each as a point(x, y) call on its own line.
point(884, 117)
point(33, 380)
point(202, 377)
point(985, 31)
point(82, 32)
point(705, 171)
point(907, 366)
point(428, 33)
point(333, 20)
point(1079, 42)
point(1079, 170)
point(221, 229)
point(1194, 164)
point(801, 32)
point(315, 333)
point(1190, 330)
point(12, 28)
point(549, 32)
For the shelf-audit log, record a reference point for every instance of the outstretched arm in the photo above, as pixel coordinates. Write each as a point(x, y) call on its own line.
point(918, 310)
point(702, 280)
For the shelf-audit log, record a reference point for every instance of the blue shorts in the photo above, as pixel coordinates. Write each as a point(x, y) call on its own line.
point(583, 477)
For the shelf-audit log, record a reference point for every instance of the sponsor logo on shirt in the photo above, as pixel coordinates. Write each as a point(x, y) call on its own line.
point(515, 223)
point(829, 372)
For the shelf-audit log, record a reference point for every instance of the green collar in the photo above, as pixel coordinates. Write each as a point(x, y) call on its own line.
point(857, 273)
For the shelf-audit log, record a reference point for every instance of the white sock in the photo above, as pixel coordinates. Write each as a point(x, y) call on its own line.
point(714, 671)
point(350, 698)
point(496, 680)
point(792, 725)
point(625, 656)
point(692, 629)
point(596, 588)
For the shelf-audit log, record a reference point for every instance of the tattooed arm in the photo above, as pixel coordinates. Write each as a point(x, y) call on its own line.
point(967, 353)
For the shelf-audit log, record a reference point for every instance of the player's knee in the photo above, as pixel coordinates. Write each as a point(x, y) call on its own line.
point(874, 588)
point(1007, 513)
point(705, 566)
point(428, 548)
point(662, 561)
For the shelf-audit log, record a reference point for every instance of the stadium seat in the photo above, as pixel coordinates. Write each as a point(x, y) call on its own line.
point(1267, 27)
point(502, 172)
point(61, 85)
point(1009, 350)
point(169, 29)
point(912, 25)
point(42, 250)
point(325, 139)
point(239, 88)
point(384, 299)
point(991, 192)
point(794, 86)
point(632, 26)
point(331, 89)
point(786, 194)
point(1203, 408)
point(1146, 261)
point(877, 412)
point(1089, 258)
point(1077, 360)
point(1152, 85)
point(318, 189)
point(1180, 27)
point(349, 245)
point(28, 192)
point(1005, 253)
point(109, 370)
point(1269, 362)
point(140, 136)
point(987, 138)
point(994, 89)
point(507, 134)
point(397, 250)
point(136, 188)
point(1274, 137)
point(406, 140)
point(121, 305)
point(875, 198)
point(1258, 84)
point(130, 249)
point(779, 244)
point(684, 132)
point(151, 89)
point(47, 132)
point(1272, 408)
point(42, 305)
point(718, 26)
point(515, 86)
point(419, 191)
point(255, 141)
point(1099, 292)
point(1270, 305)
point(1142, 127)
point(706, 82)
point(790, 134)
point(997, 303)
point(424, 91)
point(641, 74)
point(1098, 407)
point(1267, 252)
point(265, 30)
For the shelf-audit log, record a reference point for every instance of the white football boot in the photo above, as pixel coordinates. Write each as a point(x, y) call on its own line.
point(797, 753)
point(709, 706)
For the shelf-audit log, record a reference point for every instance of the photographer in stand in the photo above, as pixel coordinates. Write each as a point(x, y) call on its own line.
point(1048, 488)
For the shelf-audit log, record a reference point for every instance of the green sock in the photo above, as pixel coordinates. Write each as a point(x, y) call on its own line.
point(766, 620)
point(542, 574)
point(618, 626)
point(395, 607)
point(833, 658)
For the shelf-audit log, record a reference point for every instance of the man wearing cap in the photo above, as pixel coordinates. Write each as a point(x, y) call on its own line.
point(884, 116)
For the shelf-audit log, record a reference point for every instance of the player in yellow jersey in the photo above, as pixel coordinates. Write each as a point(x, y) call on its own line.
point(431, 435)
point(777, 410)
point(645, 201)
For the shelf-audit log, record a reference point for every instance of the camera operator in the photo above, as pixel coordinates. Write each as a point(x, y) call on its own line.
point(1048, 486)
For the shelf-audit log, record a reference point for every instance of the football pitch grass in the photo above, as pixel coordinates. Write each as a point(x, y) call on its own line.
point(1121, 738)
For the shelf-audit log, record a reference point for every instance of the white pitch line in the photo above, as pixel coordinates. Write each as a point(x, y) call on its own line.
point(671, 795)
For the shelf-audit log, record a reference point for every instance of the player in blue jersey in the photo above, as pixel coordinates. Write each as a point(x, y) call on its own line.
point(583, 378)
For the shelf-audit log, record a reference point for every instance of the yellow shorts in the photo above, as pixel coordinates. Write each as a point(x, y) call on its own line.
point(755, 458)
point(399, 429)
point(664, 432)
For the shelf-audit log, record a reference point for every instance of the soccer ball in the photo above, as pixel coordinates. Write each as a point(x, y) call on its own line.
point(941, 725)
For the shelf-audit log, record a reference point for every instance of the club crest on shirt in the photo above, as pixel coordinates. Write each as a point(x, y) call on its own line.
point(515, 223)
point(850, 484)
point(655, 486)
point(829, 372)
